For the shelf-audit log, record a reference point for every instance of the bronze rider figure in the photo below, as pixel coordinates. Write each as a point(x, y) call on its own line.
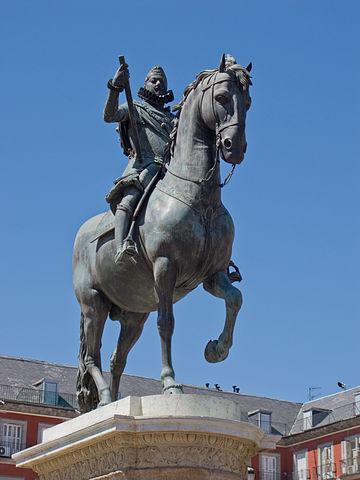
point(154, 125)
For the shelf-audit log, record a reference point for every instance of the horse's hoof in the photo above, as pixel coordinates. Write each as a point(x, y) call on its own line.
point(214, 352)
point(104, 401)
point(175, 389)
point(105, 398)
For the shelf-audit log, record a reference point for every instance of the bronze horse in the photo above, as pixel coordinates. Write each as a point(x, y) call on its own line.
point(184, 235)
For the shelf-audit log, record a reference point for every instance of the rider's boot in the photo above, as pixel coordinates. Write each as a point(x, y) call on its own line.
point(122, 223)
point(125, 246)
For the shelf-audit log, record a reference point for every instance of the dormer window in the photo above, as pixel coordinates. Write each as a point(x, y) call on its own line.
point(261, 418)
point(48, 391)
point(357, 403)
point(307, 416)
point(313, 417)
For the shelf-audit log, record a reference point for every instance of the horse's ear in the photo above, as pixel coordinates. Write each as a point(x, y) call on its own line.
point(249, 67)
point(222, 64)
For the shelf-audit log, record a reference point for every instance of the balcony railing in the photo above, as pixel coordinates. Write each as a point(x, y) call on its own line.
point(303, 474)
point(8, 447)
point(269, 475)
point(43, 397)
point(274, 428)
point(327, 471)
point(350, 466)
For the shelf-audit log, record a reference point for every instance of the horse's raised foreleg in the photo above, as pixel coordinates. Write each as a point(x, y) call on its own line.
point(94, 311)
point(131, 327)
point(220, 285)
point(165, 278)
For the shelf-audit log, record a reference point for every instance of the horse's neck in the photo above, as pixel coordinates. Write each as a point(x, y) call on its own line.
point(194, 157)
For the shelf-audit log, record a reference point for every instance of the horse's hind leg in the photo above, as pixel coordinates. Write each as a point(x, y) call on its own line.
point(220, 285)
point(131, 327)
point(165, 278)
point(94, 311)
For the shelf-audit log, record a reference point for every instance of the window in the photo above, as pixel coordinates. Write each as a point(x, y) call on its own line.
point(350, 455)
point(11, 437)
point(326, 465)
point(300, 466)
point(265, 422)
point(314, 417)
point(11, 478)
point(357, 404)
point(307, 416)
point(269, 467)
point(49, 392)
point(262, 419)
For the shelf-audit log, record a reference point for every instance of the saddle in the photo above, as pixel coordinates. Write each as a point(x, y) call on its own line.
point(105, 225)
point(116, 193)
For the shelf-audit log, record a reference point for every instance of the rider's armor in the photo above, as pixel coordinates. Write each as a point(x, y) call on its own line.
point(154, 127)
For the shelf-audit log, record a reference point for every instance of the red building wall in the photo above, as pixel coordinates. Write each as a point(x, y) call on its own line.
point(7, 466)
point(312, 446)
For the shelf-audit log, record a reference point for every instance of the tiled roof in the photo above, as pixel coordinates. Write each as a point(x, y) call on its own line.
point(327, 410)
point(286, 417)
point(24, 372)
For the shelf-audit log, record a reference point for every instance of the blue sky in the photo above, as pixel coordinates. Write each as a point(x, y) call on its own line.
point(294, 200)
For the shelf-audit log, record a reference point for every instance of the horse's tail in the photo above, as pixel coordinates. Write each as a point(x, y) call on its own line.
point(87, 393)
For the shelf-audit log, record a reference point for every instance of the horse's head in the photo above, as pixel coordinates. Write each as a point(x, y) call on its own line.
point(225, 101)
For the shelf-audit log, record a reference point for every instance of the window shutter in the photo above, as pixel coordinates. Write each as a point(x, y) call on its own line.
point(356, 450)
point(300, 466)
point(357, 404)
point(344, 455)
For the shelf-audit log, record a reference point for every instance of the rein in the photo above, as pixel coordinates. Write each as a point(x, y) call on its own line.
point(218, 131)
point(207, 177)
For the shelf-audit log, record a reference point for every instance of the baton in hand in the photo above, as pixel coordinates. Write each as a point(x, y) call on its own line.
point(132, 117)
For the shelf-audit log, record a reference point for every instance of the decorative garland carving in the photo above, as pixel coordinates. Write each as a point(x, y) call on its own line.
point(112, 457)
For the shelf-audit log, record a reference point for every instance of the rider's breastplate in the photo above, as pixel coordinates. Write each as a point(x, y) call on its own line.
point(152, 146)
point(154, 128)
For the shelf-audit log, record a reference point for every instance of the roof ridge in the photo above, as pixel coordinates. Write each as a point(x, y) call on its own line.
point(47, 362)
point(343, 392)
point(32, 360)
point(242, 394)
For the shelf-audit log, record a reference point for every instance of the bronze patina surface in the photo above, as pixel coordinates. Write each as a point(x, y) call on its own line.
point(183, 234)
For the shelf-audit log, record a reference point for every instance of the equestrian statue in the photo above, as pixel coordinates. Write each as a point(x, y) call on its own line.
point(166, 231)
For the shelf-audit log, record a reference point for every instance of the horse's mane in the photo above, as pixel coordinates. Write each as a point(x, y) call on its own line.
point(237, 71)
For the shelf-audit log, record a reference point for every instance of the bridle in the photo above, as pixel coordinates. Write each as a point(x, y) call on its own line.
point(218, 131)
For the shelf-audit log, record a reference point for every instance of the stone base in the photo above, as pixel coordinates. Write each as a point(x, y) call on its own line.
point(175, 437)
point(176, 473)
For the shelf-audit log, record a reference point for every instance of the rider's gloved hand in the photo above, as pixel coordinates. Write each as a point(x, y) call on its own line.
point(121, 77)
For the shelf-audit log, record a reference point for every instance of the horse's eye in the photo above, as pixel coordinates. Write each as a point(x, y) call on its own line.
point(222, 98)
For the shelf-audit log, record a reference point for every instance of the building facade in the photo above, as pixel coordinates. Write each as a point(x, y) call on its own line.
point(324, 441)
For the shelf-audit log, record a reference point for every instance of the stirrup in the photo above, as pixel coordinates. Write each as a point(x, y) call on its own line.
point(129, 249)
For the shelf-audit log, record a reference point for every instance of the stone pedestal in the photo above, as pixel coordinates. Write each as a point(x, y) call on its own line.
point(187, 437)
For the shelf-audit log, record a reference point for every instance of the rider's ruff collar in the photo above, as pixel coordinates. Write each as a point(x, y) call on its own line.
point(146, 95)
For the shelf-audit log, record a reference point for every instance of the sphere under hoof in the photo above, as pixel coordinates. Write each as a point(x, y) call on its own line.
point(214, 353)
